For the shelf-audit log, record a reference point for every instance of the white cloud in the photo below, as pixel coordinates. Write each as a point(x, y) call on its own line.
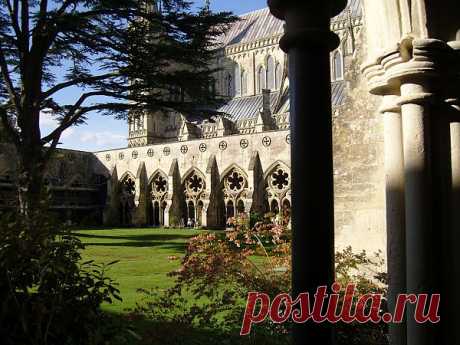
point(67, 133)
point(82, 138)
point(104, 138)
point(47, 121)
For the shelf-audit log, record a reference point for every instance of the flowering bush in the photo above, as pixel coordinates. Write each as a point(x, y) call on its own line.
point(220, 269)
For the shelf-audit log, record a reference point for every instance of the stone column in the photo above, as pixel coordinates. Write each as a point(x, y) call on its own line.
point(308, 42)
point(452, 260)
point(395, 212)
point(419, 215)
point(167, 222)
point(204, 213)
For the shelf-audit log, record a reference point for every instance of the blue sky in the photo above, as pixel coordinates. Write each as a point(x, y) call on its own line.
point(100, 133)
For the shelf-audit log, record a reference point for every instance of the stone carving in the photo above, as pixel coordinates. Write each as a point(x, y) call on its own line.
point(223, 145)
point(203, 147)
point(266, 141)
point(159, 187)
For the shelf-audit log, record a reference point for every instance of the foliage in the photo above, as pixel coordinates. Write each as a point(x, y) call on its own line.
point(254, 218)
point(48, 296)
point(219, 271)
point(117, 57)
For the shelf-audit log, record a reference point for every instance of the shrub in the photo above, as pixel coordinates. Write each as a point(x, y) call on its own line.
point(47, 295)
point(217, 273)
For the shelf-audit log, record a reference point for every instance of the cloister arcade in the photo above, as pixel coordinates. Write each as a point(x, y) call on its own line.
point(202, 199)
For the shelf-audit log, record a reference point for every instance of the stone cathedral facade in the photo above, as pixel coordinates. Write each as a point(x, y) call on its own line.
point(174, 169)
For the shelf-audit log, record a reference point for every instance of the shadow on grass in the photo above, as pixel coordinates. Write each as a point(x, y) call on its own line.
point(174, 246)
point(150, 237)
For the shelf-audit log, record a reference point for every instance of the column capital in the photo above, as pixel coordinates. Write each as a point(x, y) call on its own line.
point(279, 8)
point(307, 22)
point(411, 60)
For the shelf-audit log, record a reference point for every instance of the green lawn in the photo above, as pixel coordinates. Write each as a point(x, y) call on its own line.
point(143, 254)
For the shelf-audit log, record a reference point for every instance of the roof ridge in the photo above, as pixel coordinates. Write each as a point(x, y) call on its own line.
point(253, 12)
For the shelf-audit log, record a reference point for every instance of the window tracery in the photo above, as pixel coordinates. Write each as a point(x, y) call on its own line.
point(278, 187)
point(235, 185)
point(158, 187)
point(194, 186)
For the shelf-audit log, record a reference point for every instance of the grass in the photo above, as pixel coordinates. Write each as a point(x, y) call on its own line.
point(143, 254)
point(144, 262)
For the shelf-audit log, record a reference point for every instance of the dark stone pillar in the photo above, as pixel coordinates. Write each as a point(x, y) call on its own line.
point(308, 41)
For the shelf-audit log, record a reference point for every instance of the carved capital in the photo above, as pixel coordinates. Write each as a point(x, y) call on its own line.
point(412, 60)
point(279, 8)
point(307, 22)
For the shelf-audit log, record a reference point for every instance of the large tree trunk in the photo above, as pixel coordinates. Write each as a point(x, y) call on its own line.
point(31, 170)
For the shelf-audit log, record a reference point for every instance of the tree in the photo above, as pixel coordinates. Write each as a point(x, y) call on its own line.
point(122, 56)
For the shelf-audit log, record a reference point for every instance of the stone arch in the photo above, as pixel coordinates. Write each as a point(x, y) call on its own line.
point(337, 66)
point(157, 172)
point(261, 79)
point(240, 206)
point(190, 172)
point(127, 195)
point(158, 188)
point(274, 206)
point(274, 165)
point(235, 188)
point(231, 167)
point(278, 186)
point(194, 188)
point(271, 78)
point(127, 174)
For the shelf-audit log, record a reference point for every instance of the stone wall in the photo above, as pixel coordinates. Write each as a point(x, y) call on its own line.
point(359, 162)
point(253, 157)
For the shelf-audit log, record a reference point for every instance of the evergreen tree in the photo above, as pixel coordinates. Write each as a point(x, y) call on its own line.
point(119, 56)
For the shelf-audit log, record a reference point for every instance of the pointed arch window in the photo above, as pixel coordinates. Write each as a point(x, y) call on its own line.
point(278, 76)
point(237, 75)
point(244, 83)
point(337, 64)
point(347, 46)
point(261, 75)
point(271, 73)
point(229, 84)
